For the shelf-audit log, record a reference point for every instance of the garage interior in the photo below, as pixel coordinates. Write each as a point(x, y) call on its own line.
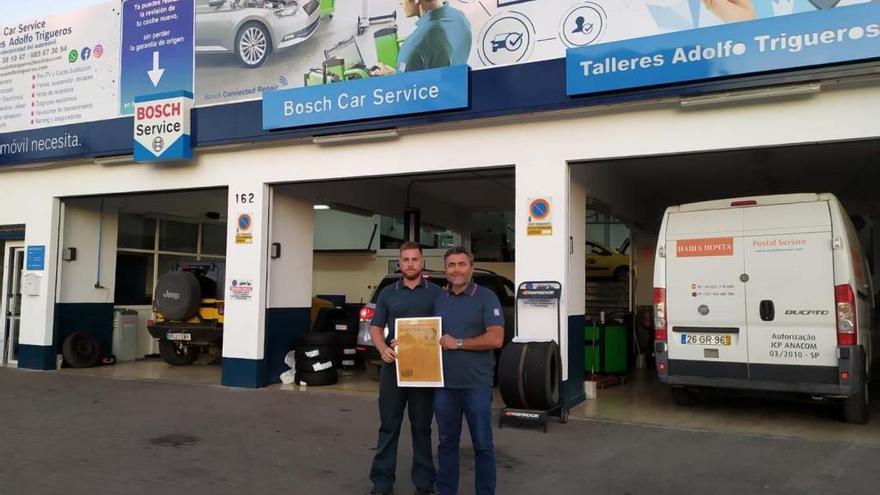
point(114, 250)
point(637, 191)
point(359, 225)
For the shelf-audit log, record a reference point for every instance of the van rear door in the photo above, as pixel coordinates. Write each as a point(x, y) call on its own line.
point(790, 293)
point(704, 295)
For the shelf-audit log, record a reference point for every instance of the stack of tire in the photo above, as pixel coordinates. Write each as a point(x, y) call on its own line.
point(343, 322)
point(317, 359)
point(529, 375)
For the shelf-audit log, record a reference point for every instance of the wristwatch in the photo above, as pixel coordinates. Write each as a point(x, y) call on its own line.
point(459, 343)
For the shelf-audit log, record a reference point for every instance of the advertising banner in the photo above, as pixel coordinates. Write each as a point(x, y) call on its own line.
point(60, 69)
point(157, 49)
point(802, 40)
point(248, 47)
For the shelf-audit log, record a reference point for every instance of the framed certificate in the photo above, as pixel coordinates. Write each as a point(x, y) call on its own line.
point(419, 355)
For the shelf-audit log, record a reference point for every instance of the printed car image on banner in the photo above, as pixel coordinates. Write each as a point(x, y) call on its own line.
point(247, 47)
point(59, 70)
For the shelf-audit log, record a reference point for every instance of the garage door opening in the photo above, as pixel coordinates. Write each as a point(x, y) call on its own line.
point(131, 262)
point(358, 227)
point(636, 192)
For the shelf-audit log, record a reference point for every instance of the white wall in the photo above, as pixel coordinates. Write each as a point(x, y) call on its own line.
point(82, 230)
point(540, 148)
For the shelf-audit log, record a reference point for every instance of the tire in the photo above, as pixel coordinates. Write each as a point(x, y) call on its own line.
point(350, 363)
point(316, 339)
point(348, 340)
point(253, 45)
point(81, 350)
point(316, 365)
point(178, 295)
point(855, 408)
point(373, 370)
point(177, 355)
point(541, 372)
point(510, 375)
point(621, 274)
point(684, 397)
point(316, 352)
point(319, 379)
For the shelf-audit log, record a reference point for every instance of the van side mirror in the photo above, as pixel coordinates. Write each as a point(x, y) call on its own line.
point(216, 3)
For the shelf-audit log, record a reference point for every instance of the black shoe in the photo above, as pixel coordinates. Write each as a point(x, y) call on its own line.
point(424, 492)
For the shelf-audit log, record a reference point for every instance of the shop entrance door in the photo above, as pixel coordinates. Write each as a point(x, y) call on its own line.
point(11, 303)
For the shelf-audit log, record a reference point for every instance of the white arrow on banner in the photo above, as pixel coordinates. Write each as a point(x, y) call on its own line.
point(156, 73)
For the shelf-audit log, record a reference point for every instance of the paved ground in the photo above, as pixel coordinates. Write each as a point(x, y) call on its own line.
point(69, 434)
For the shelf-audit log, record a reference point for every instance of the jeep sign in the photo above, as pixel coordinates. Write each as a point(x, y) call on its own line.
point(162, 127)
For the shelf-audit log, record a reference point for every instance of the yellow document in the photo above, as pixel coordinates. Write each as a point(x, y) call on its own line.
point(419, 355)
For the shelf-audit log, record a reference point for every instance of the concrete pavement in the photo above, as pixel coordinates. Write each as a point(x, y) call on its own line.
point(67, 434)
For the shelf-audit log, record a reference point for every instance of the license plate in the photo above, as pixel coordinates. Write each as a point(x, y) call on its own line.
point(705, 339)
point(178, 336)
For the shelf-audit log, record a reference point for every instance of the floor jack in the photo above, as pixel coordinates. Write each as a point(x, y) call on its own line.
point(365, 21)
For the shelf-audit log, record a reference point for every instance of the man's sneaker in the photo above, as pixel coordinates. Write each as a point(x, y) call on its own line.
point(377, 492)
point(424, 492)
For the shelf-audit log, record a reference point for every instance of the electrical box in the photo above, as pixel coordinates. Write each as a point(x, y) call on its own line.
point(30, 284)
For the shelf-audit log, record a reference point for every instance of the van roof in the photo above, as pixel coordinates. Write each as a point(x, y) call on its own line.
point(776, 199)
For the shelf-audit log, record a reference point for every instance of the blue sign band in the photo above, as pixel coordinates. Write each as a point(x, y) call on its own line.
point(401, 94)
point(824, 37)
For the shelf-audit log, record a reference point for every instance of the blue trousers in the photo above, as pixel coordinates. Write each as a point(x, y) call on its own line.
point(419, 402)
point(475, 404)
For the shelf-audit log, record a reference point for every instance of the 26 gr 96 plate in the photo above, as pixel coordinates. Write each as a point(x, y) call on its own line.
point(178, 336)
point(706, 339)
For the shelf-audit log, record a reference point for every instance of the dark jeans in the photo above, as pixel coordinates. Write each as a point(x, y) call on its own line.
point(476, 406)
point(420, 404)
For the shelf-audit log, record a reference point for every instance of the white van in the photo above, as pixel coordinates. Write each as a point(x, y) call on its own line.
point(765, 293)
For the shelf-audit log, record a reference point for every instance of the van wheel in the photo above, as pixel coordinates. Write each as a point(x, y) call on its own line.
point(177, 354)
point(682, 396)
point(855, 408)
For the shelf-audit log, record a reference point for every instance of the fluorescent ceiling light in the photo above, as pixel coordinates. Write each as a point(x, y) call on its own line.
point(751, 94)
point(321, 207)
point(356, 136)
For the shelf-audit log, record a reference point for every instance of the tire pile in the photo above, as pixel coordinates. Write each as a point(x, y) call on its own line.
point(328, 348)
point(529, 375)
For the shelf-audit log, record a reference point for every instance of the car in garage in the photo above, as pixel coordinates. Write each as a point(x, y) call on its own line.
point(768, 293)
point(254, 29)
point(603, 262)
point(500, 285)
point(188, 311)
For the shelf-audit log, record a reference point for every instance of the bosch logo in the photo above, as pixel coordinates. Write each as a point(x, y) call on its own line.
point(158, 144)
point(158, 111)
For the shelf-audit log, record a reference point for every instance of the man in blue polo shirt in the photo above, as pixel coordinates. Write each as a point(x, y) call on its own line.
point(442, 38)
point(410, 297)
point(473, 326)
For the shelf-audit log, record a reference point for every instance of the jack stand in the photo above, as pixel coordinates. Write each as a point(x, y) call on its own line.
point(365, 21)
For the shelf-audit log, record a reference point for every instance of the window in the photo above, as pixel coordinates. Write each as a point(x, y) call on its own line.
point(179, 237)
point(134, 279)
point(136, 231)
point(149, 247)
point(213, 239)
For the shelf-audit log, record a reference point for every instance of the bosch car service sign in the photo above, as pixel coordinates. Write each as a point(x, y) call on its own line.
point(162, 127)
